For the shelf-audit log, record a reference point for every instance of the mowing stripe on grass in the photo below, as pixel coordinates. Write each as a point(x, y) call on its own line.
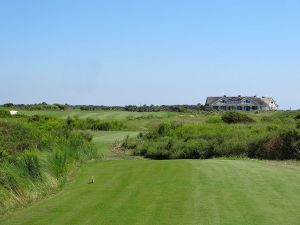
point(172, 192)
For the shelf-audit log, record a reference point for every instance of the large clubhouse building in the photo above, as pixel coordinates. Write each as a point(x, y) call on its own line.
point(242, 103)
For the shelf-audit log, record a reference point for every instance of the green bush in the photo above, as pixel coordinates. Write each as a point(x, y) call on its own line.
point(284, 145)
point(203, 141)
point(38, 118)
point(3, 154)
point(236, 117)
point(93, 124)
point(4, 113)
point(297, 117)
point(87, 136)
point(213, 119)
point(16, 137)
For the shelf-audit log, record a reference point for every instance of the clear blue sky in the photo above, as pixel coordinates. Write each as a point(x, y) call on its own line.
point(143, 52)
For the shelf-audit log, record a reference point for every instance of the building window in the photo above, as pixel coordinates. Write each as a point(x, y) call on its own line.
point(254, 108)
point(239, 107)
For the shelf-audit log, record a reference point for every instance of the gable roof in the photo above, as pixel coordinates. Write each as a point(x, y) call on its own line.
point(239, 99)
point(259, 101)
point(211, 100)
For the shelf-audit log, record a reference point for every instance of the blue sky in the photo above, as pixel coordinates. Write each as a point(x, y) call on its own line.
point(143, 52)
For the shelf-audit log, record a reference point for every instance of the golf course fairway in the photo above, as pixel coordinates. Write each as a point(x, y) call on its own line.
point(172, 192)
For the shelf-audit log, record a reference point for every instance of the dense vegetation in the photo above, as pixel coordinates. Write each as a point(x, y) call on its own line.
point(235, 134)
point(95, 124)
point(38, 106)
point(130, 108)
point(36, 155)
point(236, 117)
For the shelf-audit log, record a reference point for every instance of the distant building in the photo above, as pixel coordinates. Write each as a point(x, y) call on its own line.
point(242, 103)
point(12, 112)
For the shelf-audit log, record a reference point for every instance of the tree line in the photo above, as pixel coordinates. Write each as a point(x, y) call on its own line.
point(130, 108)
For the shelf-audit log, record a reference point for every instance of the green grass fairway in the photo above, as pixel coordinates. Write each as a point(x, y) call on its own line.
point(103, 140)
point(173, 192)
point(135, 121)
point(99, 114)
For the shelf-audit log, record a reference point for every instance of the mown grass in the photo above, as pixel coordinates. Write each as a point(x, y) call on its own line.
point(99, 114)
point(173, 192)
point(104, 141)
point(134, 120)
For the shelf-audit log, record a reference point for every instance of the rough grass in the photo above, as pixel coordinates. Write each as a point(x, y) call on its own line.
point(33, 154)
point(173, 192)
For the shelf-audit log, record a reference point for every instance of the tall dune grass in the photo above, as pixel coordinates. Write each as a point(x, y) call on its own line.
point(36, 155)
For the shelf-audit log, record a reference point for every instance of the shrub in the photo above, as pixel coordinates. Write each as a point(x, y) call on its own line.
point(213, 119)
point(159, 149)
point(4, 113)
point(70, 122)
point(267, 119)
point(202, 141)
point(16, 137)
point(87, 136)
point(272, 127)
point(93, 124)
point(284, 145)
point(164, 129)
point(3, 154)
point(195, 149)
point(297, 117)
point(38, 118)
point(236, 117)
